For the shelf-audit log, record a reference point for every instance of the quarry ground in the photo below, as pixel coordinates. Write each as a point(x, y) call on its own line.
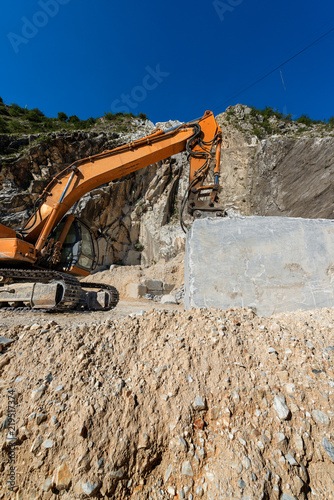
point(8, 319)
point(149, 401)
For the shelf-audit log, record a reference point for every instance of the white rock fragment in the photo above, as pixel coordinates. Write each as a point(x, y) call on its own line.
point(290, 388)
point(280, 437)
point(329, 448)
point(291, 459)
point(187, 469)
point(36, 443)
point(199, 404)
point(168, 472)
point(47, 485)
point(4, 341)
point(35, 326)
point(90, 488)
point(48, 443)
point(168, 299)
point(320, 417)
point(37, 393)
point(298, 443)
point(281, 407)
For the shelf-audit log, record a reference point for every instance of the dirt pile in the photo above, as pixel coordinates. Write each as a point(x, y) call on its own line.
point(171, 404)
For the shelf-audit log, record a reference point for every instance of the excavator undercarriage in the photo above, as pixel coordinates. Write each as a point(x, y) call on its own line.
point(53, 291)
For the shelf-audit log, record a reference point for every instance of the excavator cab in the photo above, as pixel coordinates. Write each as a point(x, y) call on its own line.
point(77, 253)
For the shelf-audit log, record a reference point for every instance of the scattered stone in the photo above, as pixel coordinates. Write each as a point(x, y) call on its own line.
point(89, 488)
point(281, 407)
point(4, 341)
point(290, 388)
point(168, 472)
point(119, 473)
point(199, 404)
point(36, 443)
point(242, 484)
point(40, 417)
point(187, 469)
point(47, 485)
point(62, 478)
point(199, 491)
point(329, 448)
point(38, 393)
point(48, 377)
point(320, 417)
point(35, 327)
point(136, 290)
point(291, 459)
point(199, 424)
point(48, 443)
point(168, 299)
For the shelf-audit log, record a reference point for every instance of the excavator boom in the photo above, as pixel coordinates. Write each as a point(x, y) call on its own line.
point(202, 141)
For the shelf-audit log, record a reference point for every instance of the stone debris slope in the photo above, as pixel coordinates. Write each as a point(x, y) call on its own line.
point(170, 404)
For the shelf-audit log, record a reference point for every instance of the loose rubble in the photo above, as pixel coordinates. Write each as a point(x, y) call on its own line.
point(172, 404)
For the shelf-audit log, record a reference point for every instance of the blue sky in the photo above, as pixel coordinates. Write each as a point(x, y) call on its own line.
point(170, 60)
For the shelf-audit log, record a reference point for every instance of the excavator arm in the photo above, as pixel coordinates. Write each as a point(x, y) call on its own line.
point(201, 140)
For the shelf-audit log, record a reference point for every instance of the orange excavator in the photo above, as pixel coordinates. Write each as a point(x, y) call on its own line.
point(38, 263)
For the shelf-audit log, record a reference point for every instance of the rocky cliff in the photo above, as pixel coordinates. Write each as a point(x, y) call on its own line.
point(288, 172)
point(274, 167)
point(131, 214)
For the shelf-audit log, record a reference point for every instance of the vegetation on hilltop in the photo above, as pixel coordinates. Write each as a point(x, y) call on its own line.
point(267, 121)
point(15, 119)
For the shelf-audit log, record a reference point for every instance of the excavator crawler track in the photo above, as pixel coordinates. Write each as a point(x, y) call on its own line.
point(111, 290)
point(72, 296)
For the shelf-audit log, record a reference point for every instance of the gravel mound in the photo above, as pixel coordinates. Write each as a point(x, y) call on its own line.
point(170, 404)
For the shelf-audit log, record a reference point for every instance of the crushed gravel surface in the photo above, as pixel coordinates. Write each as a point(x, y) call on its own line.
point(170, 404)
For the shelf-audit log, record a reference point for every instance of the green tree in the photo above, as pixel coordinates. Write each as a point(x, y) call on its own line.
point(305, 119)
point(62, 116)
point(16, 126)
point(3, 126)
point(4, 111)
point(16, 110)
point(109, 116)
point(91, 121)
point(38, 112)
point(35, 115)
point(73, 119)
